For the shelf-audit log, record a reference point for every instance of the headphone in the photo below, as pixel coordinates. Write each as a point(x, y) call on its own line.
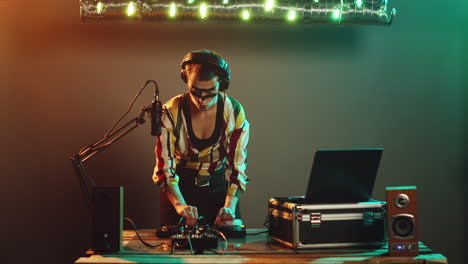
point(207, 57)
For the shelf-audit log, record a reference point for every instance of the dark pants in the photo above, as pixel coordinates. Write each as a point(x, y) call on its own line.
point(208, 200)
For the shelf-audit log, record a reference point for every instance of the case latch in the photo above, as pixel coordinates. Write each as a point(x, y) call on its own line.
point(368, 218)
point(315, 219)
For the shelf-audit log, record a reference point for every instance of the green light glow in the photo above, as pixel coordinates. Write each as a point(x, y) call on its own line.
point(336, 15)
point(316, 1)
point(400, 187)
point(99, 8)
point(358, 3)
point(172, 10)
point(131, 9)
point(269, 5)
point(225, 2)
point(190, 1)
point(291, 15)
point(245, 15)
point(203, 11)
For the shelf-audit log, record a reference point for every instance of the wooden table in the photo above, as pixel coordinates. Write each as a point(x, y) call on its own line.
point(253, 249)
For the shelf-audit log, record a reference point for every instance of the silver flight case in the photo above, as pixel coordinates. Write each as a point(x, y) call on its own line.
point(309, 226)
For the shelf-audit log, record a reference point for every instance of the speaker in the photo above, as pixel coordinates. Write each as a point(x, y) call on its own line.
point(107, 219)
point(402, 221)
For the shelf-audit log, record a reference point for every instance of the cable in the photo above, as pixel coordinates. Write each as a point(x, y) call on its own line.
point(253, 234)
point(139, 237)
point(191, 232)
point(87, 184)
point(196, 224)
point(266, 224)
point(82, 170)
point(190, 243)
point(172, 248)
point(200, 227)
point(181, 220)
point(225, 240)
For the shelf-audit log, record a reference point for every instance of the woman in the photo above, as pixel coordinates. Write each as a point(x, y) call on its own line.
point(201, 154)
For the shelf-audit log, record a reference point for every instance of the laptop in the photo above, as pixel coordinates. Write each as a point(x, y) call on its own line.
point(343, 175)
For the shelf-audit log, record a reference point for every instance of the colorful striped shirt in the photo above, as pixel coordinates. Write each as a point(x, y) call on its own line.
point(175, 148)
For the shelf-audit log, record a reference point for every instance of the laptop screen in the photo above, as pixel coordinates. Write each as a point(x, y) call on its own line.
point(343, 175)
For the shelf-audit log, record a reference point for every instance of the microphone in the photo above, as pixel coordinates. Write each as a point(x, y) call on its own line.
point(156, 112)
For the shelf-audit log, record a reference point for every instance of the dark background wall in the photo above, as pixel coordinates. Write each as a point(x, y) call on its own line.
point(63, 84)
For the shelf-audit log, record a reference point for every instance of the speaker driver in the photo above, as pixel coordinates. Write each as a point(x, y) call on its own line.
point(403, 226)
point(402, 201)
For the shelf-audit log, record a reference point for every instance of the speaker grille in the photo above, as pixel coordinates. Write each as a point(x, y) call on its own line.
point(403, 226)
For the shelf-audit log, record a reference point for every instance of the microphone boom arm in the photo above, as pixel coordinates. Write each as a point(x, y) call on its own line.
point(86, 182)
point(105, 142)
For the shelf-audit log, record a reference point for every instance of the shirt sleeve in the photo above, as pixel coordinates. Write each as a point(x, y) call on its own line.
point(164, 171)
point(237, 154)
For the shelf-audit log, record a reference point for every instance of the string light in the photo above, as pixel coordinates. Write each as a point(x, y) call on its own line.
point(99, 8)
point(172, 10)
point(269, 5)
point(358, 3)
point(203, 11)
point(344, 12)
point(245, 15)
point(131, 9)
point(291, 15)
point(336, 15)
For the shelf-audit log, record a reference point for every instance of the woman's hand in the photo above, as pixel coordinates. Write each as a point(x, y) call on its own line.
point(225, 214)
point(190, 213)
